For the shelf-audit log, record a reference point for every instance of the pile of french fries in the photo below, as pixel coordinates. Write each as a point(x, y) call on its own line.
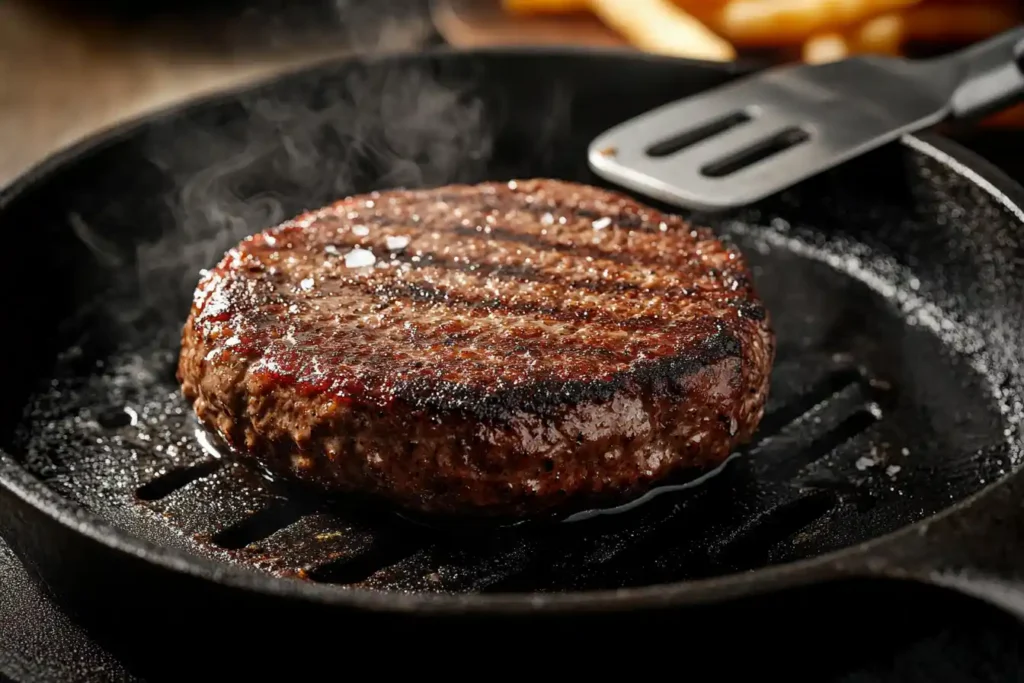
point(813, 31)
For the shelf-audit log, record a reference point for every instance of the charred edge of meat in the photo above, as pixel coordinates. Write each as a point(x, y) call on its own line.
point(661, 377)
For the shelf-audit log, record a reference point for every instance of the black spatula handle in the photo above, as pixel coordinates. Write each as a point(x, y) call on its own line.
point(989, 75)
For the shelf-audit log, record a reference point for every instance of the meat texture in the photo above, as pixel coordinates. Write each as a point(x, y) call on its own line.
point(495, 349)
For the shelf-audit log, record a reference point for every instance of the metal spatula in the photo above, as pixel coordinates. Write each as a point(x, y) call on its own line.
point(751, 138)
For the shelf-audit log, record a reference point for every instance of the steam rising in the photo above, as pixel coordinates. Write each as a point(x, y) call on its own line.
point(232, 170)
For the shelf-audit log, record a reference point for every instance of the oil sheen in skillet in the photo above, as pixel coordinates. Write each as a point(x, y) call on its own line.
point(501, 349)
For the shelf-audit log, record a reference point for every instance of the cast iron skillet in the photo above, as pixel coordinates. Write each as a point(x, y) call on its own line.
point(889, 451)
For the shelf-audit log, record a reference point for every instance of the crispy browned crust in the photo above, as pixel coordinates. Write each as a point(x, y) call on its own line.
point(513, 348)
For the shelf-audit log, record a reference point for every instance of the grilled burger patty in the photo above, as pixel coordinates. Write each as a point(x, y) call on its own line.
point(495, 349)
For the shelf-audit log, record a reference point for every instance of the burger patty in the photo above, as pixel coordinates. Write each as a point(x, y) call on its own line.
point(494, 349)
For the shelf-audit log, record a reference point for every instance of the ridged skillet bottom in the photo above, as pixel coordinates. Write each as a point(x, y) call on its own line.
point(880, 414)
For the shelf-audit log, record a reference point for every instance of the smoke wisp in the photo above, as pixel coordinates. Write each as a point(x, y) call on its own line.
point(239, 165)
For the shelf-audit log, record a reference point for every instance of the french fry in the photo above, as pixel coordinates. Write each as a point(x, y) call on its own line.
point(813, 31)
point(702, 9)
point(780, 22)
point(881, 35)
point(662, 27)
point(825, 47)
point(544, 6)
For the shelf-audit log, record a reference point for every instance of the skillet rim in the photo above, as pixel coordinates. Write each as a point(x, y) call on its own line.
point(30, 490)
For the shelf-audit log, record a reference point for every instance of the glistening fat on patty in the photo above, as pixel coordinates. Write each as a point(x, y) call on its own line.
point(494, 349)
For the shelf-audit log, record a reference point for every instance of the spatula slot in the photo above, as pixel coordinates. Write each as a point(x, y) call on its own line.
point(759, 151)
point(691, 137)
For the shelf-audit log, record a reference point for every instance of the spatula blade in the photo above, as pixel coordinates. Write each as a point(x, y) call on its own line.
point(753, 138)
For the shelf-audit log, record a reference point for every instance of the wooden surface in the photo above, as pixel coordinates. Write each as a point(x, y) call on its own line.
point(61, 79)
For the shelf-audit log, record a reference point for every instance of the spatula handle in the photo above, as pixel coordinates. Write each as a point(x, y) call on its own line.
point(990, 75)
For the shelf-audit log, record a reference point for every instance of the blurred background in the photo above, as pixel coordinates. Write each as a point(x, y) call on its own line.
point(70, 67)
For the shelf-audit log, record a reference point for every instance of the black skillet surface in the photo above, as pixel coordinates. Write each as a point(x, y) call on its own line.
point(919, 242)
